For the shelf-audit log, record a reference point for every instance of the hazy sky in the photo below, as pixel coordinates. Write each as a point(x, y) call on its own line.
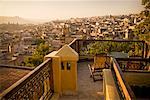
point(53, 9)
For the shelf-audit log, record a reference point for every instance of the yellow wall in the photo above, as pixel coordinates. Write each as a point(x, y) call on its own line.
point(109, 87)
point(137, 78)
point(69, 78)
point(65, 81)
point(56, 74)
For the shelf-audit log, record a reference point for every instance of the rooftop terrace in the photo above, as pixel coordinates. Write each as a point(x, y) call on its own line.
point(45, 80)
point(87, 89)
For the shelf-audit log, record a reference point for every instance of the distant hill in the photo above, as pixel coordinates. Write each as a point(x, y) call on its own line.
point(16, 19)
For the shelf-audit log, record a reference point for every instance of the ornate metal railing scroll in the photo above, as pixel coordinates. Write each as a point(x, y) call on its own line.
point(133, 63)
point(38, 84)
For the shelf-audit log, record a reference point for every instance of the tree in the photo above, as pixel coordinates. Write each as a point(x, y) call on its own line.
point(38, 56)
point(146, 3)
point(33, 61)
point(107, 47)
point(142, 31)
point(38, 41)
point(133, 49)
point(42, 49)
point(97, 48)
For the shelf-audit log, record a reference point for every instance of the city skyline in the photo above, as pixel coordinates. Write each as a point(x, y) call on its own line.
point(63, 9)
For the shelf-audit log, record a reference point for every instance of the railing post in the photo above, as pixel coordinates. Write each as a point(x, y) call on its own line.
point(79, 47)
point(56, 66)
point(146, 50)
point(143, 49)
point(51, 77)
point(76, 44)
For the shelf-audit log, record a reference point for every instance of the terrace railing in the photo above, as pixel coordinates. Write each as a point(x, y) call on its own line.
point(37, 84)
point(123, 87)
point(79, 44)
point(133, 64)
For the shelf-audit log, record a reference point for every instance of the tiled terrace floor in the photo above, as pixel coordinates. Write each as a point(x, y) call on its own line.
point(87, 89)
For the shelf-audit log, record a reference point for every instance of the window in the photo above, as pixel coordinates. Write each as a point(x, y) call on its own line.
point(68, 66)
point(62, 66)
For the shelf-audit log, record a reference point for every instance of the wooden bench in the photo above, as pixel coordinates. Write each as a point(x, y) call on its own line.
point(100, 63)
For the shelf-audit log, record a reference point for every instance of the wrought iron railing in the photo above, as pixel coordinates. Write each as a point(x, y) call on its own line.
point(38, 84)
point(133, 64)
point(80, 45)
